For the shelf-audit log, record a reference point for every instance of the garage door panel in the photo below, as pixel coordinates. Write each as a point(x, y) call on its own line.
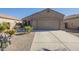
point(51, 24)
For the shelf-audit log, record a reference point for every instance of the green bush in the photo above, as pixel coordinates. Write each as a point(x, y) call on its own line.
point(10, 32)
point(28, 28)
point(4, 26)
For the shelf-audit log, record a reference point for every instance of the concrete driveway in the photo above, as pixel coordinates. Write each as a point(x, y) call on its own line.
point(55, 41)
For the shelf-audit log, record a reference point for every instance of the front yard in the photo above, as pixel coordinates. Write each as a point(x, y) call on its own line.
point(21, 42)
point(44, 41)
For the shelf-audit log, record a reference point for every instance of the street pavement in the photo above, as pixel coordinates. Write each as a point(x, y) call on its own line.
point(55, 41)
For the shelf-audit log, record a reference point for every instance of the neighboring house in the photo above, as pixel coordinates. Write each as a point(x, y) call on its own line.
point(47, 19)
point(72, 21)
point(9, 19)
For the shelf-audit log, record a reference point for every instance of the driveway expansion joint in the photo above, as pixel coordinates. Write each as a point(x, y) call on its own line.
point(60, 41)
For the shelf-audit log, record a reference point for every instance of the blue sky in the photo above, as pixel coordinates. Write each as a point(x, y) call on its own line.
point(22, 12)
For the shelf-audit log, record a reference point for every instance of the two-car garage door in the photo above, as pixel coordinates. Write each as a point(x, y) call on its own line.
point(48, 24)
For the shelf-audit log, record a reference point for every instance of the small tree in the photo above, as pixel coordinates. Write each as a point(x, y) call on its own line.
point(2, 28)
point(6, 24)
point(5, 28)
point(10, 32)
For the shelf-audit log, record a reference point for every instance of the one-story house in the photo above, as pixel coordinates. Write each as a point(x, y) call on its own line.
point(46, 19)
point(72, 21)
point(9, 19)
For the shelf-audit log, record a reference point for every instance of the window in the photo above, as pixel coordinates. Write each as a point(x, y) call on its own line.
point(29, 23)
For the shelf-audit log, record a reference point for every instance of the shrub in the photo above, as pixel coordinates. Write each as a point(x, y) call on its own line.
point(28, 28)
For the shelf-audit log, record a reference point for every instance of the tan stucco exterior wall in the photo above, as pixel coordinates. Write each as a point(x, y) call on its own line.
point(47, 20)
point(72, 23)
point(12, 22)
